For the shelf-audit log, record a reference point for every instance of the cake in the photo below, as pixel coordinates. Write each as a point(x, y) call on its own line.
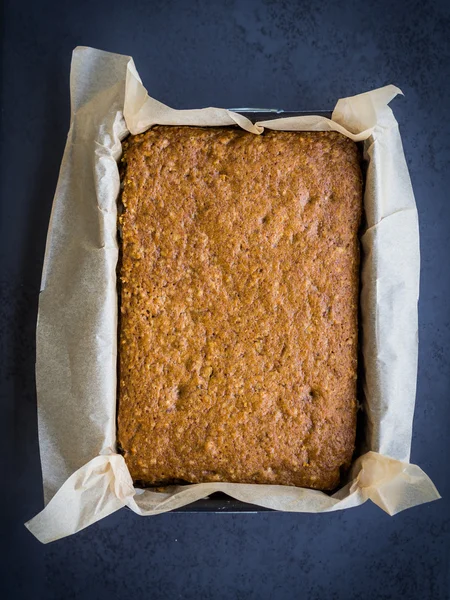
point(238, 288)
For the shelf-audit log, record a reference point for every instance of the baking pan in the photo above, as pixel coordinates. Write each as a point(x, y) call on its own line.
point(219, 502)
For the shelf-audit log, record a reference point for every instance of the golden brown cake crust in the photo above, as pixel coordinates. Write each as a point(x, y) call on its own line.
point(239, 294)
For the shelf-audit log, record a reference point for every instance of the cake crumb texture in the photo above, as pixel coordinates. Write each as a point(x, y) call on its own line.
point(239, 286)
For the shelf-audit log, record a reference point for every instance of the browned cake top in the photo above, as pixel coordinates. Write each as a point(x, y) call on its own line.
point(238, 335)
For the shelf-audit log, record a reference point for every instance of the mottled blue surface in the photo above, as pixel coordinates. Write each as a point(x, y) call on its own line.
point(189, 54)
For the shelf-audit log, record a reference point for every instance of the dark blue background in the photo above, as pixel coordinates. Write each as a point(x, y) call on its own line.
point(191, 54)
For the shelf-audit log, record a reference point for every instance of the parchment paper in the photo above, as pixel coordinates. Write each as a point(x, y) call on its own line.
point(84, 477)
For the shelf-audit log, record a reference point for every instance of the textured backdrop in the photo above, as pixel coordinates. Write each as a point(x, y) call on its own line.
point(289, 55)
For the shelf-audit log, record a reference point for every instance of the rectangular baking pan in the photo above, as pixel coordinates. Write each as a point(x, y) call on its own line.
point(219, 502)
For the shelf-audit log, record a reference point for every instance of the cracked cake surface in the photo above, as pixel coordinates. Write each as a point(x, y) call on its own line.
point(239, 289)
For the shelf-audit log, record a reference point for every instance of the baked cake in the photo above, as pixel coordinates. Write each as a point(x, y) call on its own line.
point(239, 287)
